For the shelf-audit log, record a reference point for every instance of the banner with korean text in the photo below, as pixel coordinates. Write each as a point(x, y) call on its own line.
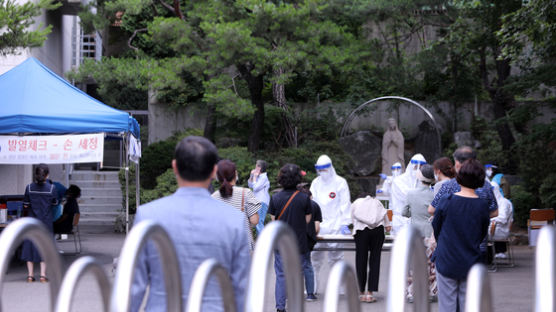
point(52, 149)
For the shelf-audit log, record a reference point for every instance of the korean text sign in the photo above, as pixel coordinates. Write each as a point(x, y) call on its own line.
point(52, 149)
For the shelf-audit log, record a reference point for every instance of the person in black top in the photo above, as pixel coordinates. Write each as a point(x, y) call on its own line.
point(312, 230)
point(65, 223)
point(297, 215)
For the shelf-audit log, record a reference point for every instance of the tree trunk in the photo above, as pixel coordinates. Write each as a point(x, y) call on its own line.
point(255, 85)
point(502, 101)
point(279, 95)
point(210, 123)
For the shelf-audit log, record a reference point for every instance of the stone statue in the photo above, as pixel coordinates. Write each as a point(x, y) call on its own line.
point(392, 147)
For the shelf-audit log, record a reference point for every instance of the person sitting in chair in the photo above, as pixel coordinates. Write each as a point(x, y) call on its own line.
point(65, 223)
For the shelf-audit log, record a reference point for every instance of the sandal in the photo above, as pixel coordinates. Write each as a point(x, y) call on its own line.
point(43, 279)
point(362, 298)
point(369, 298)
point(30, 279)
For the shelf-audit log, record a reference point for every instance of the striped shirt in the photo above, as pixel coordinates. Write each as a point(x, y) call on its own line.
point(251, 206)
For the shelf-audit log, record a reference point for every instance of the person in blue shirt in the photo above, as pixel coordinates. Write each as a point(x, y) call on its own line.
point(200, 227)
point(460, 225)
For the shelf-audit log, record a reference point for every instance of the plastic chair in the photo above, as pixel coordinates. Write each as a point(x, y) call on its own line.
point(75, 233)
point(509, 260)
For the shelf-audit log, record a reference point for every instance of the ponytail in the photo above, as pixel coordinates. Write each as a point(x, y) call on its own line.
point(226, 173)
point(226, 189)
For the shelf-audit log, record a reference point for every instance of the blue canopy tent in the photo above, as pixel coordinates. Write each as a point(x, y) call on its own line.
point(34, 100)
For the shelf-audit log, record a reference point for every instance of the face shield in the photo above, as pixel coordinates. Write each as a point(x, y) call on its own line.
point(324, 171)
point(396, 169)
point(488, 170)
point(415, 164)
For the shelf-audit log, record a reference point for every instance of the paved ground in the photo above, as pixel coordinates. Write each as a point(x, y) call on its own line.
point(512, 287)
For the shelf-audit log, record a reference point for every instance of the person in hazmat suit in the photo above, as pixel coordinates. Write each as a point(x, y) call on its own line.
point(386, 188)
point(400, 185)
point(331, 192)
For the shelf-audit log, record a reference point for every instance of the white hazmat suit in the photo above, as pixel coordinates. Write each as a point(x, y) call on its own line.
point(400, 185)
point(331, 192)
point(505, 215)
point(386, 189)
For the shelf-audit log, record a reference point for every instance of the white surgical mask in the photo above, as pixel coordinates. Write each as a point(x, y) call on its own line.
point(435, 177)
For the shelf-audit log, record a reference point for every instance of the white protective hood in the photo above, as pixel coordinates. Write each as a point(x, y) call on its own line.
point(331, 192)
point(408, 180)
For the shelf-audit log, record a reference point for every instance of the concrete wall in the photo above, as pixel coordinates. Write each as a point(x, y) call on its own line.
point(409, 116)
point(14, 178)
point(165, 120)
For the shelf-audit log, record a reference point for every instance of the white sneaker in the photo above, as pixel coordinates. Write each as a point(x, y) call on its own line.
point(500, 255)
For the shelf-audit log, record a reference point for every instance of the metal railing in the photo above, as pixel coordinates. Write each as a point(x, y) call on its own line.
point(74, 274)
point(208, 268)
point(275, 235)
point(478, 297)
point(408, 249)
point(545, 270)
point(35, 231)
point(341, 275)
point(134, 243)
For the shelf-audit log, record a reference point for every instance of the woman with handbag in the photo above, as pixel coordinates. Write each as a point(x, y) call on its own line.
point(239, 197)
point(293, 208)
point(369, 221)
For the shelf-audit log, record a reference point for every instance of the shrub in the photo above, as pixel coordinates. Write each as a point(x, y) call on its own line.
point(157, 157)
point(523, 201)
point(547, 191)
point(165, 185)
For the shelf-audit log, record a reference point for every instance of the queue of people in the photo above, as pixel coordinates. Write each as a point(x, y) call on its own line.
point(453, 221)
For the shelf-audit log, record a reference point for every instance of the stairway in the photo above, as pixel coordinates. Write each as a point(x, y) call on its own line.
point(101, 197)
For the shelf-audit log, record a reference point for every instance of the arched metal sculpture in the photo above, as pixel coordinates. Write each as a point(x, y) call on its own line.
point(207, 269)
point(408, 246)
point(134, 243)
point(276, 235)
point(36, 232)
point(353, 114)
point(341, 274)
point(74, 274)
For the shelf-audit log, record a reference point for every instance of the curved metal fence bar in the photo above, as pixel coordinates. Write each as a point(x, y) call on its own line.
point(408, 246)
point(341, 274)
point(275, 234)
point(545, 270)
point(207, 269)
point(34, 230)
point(134, 243)
point(74, 274)
point(479, 296)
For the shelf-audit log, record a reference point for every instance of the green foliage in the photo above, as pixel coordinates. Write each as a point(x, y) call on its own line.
point(157, 157)
point(166, 184)
point(490, 151)
point(15, 20)
point(131, 188)
point(537, 155)
point(531, 26)
point(547, 191)
point(242, 158)
point(523, 201)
